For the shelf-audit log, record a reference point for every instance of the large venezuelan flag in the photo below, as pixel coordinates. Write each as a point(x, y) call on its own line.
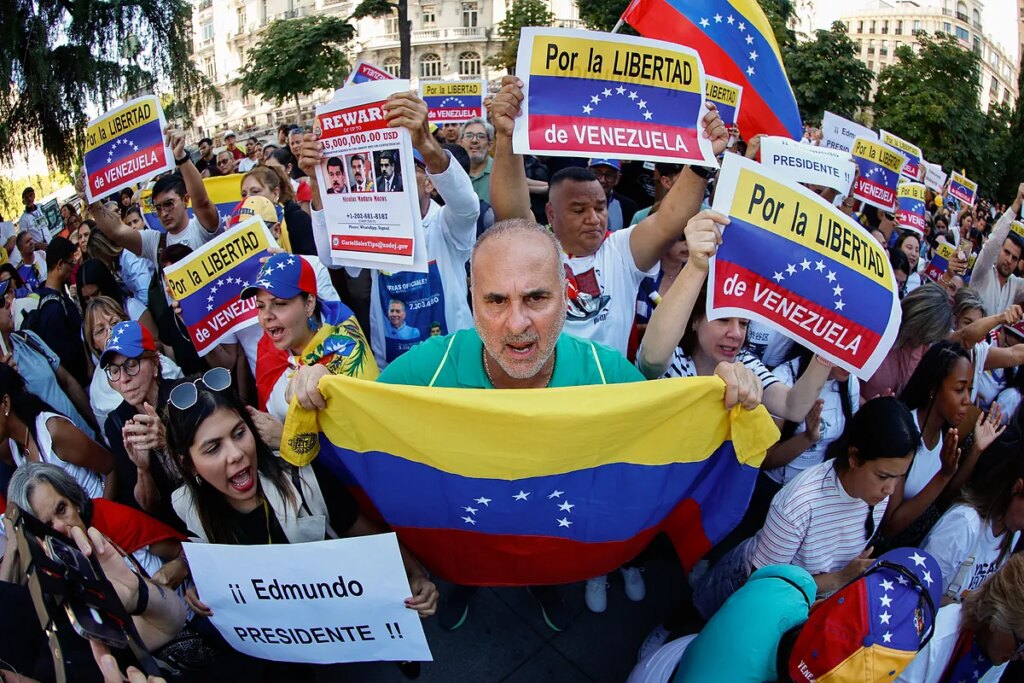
point(736, 43)
point(224, 191)
point(547, 486)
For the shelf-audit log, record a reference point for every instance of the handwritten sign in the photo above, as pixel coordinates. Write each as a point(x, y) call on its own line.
point(910, 207)
point(207, 283)
point(453, 101)
point(726, 96)
point(365, 72)
point(791, 260)
point(318, 603)
point(963, 188)
point(799, 163)
point(912, 168)
point(879, 167)
point(934, 177)
point(839, 133)
point(369, 182)
point(125, 146)
point(590, 94)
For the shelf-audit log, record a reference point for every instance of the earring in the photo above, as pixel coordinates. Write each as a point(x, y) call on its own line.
point(313, 324)
point(199, 482)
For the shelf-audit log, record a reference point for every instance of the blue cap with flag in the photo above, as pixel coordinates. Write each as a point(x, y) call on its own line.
point(285, 276)
point(130, 339)
point(614, 163)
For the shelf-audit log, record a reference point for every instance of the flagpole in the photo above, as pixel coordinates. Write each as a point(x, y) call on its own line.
point(618, 25)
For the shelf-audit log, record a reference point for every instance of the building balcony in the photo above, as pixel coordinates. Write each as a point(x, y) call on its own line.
point(429, 35)
point(963, 17)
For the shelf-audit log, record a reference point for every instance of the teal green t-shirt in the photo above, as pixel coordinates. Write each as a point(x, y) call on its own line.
point(740, 643)
point(457, 360)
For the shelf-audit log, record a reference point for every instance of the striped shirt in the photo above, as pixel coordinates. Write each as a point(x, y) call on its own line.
point(813, 523)
point(683, 366)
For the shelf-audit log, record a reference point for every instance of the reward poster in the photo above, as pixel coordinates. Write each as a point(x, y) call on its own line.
point(368, 182)
point(593, 94)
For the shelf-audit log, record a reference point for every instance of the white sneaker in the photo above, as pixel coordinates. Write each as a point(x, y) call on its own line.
point(634, 582)
point(655, 639)
point(597, 594)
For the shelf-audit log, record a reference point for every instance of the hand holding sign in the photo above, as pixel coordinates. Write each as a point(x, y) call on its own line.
point(407, 110)
point(703, 235)
point(507, 106)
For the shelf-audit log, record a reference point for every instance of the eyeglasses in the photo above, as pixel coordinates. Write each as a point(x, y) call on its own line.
point(184, 396)
point(474, 136)
point(131, 367)
point(165, 207)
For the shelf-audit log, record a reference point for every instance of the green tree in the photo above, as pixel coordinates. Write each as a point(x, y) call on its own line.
point(1014, 151)
point(779, 13)
point(826, 74)
point(930, 97)
point(383, 8)
point(298, 57)
point(522, 13)
point(602, 15)
point(61, 60)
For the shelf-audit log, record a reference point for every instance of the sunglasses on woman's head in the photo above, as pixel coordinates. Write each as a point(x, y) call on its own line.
point(184, 396)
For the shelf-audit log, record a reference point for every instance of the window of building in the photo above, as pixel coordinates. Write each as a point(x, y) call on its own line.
point(917, 24)
point(872, 30)
point(860, 26)
point(469, 64)
point(393, 65)
point(961, 11)
point(963, 34)
point(430, 66)
point(241, 19)
point(977, 18)
point(469, 14)
point(884, 50)
point(899, 27)
point(390, 25)
point(211, 70)
point(871, 65)
point(977, 45)
point(207, 30)
point(947, 27)
point(885, 26)
point(429, 15)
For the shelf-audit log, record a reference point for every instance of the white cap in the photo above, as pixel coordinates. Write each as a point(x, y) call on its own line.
point(229, 134)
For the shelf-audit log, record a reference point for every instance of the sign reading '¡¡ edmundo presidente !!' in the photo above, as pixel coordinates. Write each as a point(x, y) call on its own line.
point(601, 95)
point(125, 146)
point(793, 261)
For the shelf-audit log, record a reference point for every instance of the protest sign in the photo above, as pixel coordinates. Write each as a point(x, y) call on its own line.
point(368, 182)
point(910, 207)
point(799, 163)
point(319, 603)
point(791, 260)
point(912, 168)
point(963, 188)
point(225, 191)
point(364, 72)
point(51, 211)
point(208, 281)
point(726, 96)
point(879, 176)
point(937, 267)
point(1018, 228)
point(125, 146)
point(934, 176)
point(453, 101)
point(601, 95)
point(839, 133)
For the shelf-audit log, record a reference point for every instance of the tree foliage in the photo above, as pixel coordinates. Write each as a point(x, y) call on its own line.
point(826, 74)
point(930, 97)
point(602, 15)
point(1014, 153)
point(382, 9)
point(521, 13)
point(59, 60)
point(298, 57)
point(779, 13)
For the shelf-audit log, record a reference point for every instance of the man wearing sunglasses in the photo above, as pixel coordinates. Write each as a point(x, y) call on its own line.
point(172, 195)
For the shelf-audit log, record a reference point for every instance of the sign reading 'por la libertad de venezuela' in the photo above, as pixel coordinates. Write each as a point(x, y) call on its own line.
point(596, 94)
point(207, 283)
point(963, 188)
point(125, 146)
point(325, 602)
point(453, 101)
point(879, 176)
point(793, 261)
point(726, 96)
point(910, 207)
point(912, 168)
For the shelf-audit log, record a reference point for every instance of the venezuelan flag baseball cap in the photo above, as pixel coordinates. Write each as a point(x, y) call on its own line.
point(873, 627)
point(285, 276)
point(612, 163)
point(255, 205)
point(130, 339)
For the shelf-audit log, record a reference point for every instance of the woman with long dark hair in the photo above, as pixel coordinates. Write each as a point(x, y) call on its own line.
point(96, 280)
point(237, 491)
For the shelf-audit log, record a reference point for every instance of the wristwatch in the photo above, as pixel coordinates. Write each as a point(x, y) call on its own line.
point(181, 161)
point(705, 172)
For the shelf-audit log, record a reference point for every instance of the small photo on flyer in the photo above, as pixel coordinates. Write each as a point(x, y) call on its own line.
point(337, 181)
point(388, 167)
point(360, 171)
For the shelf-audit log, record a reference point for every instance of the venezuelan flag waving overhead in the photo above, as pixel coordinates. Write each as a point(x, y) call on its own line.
point(547, 486)
point(736, 43)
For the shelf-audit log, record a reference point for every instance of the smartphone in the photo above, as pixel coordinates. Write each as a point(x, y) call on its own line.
point(88, 620)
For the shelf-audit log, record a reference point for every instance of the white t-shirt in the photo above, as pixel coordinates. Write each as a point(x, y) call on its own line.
point(683, 366)
point(814, 523)
point(1009, 400)
point(104, 398)
point(35, 224)
point(194, 235)
point(606, 284)
point(246, 165)
point(90, 482)
point(931, 662)
point(965, 548)
point(833, 421)
point(927, 463)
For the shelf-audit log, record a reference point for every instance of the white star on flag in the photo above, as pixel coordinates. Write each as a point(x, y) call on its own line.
point(902, 580)
point(469, 520)
point(790, 269)
point(887, 637)
point(522, 495)
point(819, 266)
point(885, 585)
point(607, 92)
point(805, 264)
point(754, 55)
point(209, 298)
point(220, 283)
point(730, 19)
point(587, 109)
point(281, 266)
point(918, 560)
point(632, 94)
point(778, 277)
point(927, 577)
point(291, 260)
point(884, 617)
point(885, 600)
point(620, 90)
point(704, 23)
point(556, 494)
point(566, 506)
point(718, 18)
point(483, 501)
point(642, 104)
point(839, 305)
point(209, 307)
point(564, 522)
point(742, 26)
point(470, 510)
point(750, 40)
point(831, 277)
point(647, 115)
point(837, 290)
point(595, 99)
point(750, 71)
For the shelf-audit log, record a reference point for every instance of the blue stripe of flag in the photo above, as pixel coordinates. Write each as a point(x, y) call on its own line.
point(113, 151)
point(567, 96)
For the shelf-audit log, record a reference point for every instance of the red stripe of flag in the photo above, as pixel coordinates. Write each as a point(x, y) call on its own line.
point(243, 309)
point(647, 133)
point(142, 172)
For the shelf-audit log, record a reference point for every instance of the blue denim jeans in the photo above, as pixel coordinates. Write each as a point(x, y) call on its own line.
point(722, 580)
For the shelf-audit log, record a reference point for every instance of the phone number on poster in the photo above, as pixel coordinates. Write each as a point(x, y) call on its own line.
point(367, 216)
